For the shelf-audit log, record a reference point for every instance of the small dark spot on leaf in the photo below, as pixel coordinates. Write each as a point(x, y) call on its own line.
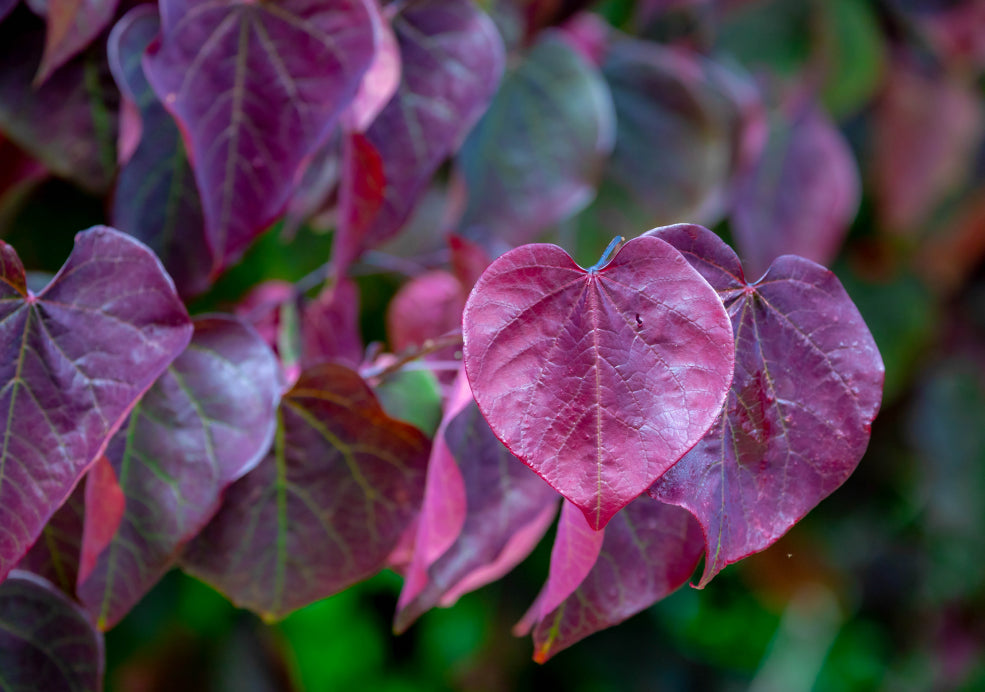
point(639, 322)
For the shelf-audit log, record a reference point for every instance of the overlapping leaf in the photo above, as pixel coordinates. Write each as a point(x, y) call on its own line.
point(256, 87)
point(72, 25)
point(600, 380)
point(156, 199)
point(649, 550)
point(324, 509)
point(55, 555)
point(46, 642)
point(68, 123)
point(452, 62)
point(75, 358)
point(801, 195)
point(207, 421)
point(537, 153)
point(808, 383)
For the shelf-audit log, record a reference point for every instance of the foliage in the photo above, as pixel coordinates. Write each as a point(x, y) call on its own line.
point(321, 326)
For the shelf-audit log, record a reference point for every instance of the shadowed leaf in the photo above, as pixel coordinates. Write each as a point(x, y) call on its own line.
point(55, 555)
point(72, 25)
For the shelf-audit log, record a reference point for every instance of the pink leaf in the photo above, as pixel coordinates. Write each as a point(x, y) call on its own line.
point(599, 380)
point(808, 383)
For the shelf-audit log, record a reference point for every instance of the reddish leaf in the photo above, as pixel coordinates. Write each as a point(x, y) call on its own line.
point(75, 359)
point(156, 199)
point(46, 642)
point(806, 371)
point(650, 549)
point(927, 129)
point(324, 509)
point(55, 555)
point(506, 511)
point(468, 260)
point(424, 308)
point(519, 179)
point(69, 122)
point(104, 508)
point(802, 194)
point(330, 326)
point(599, 380)
point(72, 25)
point(207, 421)
point(452, 62)
point(256, 87)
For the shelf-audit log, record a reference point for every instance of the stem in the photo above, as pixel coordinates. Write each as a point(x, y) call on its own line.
point(429, 346)
point(605, 255)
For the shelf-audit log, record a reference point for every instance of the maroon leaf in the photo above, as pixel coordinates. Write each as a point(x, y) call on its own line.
point(207, 421)
point(802, 194)
point(46, 642)
point(599, 380)
point(72, 25)
point(520, 179)
point(69, 122)
point(808, 383)
point(75, 359)
point(330, 326)
point(324, 509)
point(452, 62)
point(650, 549)
point(6, 6)
point(156, 199)
point(104, 508)
point(55, 555)
point(256, 87)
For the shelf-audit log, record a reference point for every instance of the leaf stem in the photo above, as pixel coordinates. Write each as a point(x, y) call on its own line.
point(604, 259)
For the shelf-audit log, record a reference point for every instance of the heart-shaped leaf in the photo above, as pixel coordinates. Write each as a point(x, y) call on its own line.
point(599, 380)
point(74, 360)
point(46, 642)
point(69, 122)
point(72, 25)
point(808, 383)
point(207, 421)
point(324, 509)
point(800, 197)
point(650, 549)
point(256, 88)
point(452, 62)
point(156, 199)
point(537, 153)
point(503, 510)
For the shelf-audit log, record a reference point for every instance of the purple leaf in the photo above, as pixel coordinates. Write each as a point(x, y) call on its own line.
point(650, 550)
point(46, 642)
point(72, 25)
point(521, 179)
point(808, 383)
point(256, 88)
point(156, 199)
point(6, 6)
point(452, 63)
point(76, 357)
point(381, 80)
point(599, 380)
point(424, 308)
point(104, 508)
point(802, 194)
point(55, 555)
point(324, 509)
point(207, 421)
point(507, 510)
point(330, 326)
point(69, 122)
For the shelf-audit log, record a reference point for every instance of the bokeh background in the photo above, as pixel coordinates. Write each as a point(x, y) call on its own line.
point(882, 587)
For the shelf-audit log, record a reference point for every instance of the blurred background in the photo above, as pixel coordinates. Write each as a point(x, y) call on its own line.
point(869, 154)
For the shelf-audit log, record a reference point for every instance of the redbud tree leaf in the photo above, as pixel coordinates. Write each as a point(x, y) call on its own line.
point(46, 642)
point(808, 383)
point(537, 153)
point(800, 197)
point(156, 199)
point(598, 379)
point(452, 60)
point(55, 555)
point(507, 510)
point(256, 88)
point(649, 550)
point(72, 25)
point(75, 359)
point(324, 509)
point(69, 122)
point(207, 421)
